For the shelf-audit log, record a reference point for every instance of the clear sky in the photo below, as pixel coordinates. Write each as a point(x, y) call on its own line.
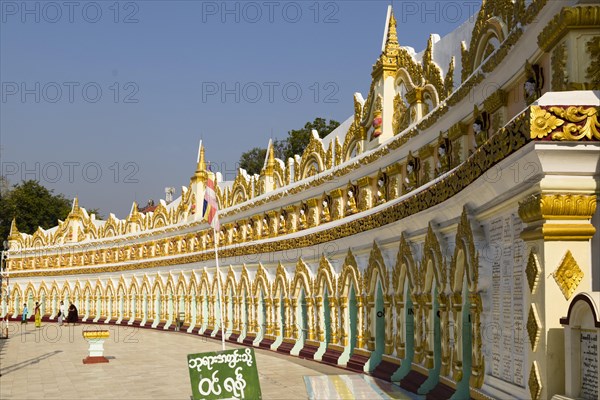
point(107, 100)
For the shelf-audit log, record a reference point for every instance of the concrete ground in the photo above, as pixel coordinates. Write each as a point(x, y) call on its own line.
point(46, 363)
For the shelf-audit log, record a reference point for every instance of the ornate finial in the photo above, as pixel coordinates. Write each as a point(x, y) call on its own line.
point(13, 228)
point(201, 163)
point(200, 173)
point(391, 43)
point(269, 164)
point(134, 209)
point(75, 204)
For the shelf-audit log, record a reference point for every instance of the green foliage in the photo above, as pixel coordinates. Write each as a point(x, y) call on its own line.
point(253, 160)
point(297, 140)
point(32, 205)
point(95, 211)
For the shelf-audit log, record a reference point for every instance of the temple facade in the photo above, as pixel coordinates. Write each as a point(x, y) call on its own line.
point(438, 238)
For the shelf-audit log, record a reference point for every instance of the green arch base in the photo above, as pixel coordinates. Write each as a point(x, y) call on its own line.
point(434, 373)
point(406, 363)
point(462, 387)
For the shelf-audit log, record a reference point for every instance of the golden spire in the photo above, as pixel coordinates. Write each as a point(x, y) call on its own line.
point(200, 173)
point(391, 43)
point(134, 209)
point(270, 159)
point(13, 228)
point(75, 210)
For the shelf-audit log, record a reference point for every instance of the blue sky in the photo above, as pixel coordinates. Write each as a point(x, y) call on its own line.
point(107, 100)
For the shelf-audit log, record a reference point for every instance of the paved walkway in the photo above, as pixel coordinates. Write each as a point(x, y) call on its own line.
point(46, 363)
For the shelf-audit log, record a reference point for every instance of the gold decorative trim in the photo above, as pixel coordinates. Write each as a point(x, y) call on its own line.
point(550, 232)
point(535, 382)
point(593, 71)
point(578, 123)
point(495, 101)
point(559, 67)
point(579, 17)
point(568, 275)
point(570, 206)
point(533, 271)
point(508, 140)
point(534, 327)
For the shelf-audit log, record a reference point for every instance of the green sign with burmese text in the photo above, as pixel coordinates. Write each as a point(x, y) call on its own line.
point(229, 374)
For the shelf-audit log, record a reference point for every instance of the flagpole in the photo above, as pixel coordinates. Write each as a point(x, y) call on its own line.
point(219, 290)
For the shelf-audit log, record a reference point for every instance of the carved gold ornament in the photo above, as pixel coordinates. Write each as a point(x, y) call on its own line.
point(578, 17)
point(557, 206)
point(577, 123)
point(568, 275)
point(535, 383)
point(543, 122)
point(593, 71)
point(534, 327)
point(533, 271)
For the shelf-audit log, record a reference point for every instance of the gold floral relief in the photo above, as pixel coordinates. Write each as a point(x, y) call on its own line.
point(565, 123)
point(568, 275)
point(534, 327)
point(535, 382)
point(533, 271)
point(593, 71)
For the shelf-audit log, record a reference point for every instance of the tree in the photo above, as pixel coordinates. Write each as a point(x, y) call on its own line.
point(32, 205)
point(253, 160)
point(298, 139)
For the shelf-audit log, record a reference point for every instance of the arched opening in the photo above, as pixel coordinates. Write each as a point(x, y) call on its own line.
point(261, 316)
point(301, 318)
point(216, 311)
point(43, 301)
point(77, 298)
point(170, 306)
point(432, 333)
point(157, 295)
point(407, 317)
point(243, 314)
point(229, 315)
point(97, 304)
point(145, 303)
point(109, 304)
point(377, 323)
point(120, 304)
point(464, 344)
point(204, 312)
point(86, 304)
point(16, 303)
point(326, 317)
point(133, 304)
point(30, 300)
point(350, 324)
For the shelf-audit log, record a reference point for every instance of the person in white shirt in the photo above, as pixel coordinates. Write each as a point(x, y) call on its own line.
point(61, 313)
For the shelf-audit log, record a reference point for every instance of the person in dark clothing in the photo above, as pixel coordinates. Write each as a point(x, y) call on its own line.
point(72, 317)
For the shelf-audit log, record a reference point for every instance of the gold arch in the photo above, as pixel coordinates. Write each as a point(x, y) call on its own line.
point(281, 284)
point(405, 268)
point(302, 279)
point(314, 151)
point(230, 282)
point(350, 276)
point(325, 278)
point(432, 255)
point(376, 268)
point(261, 280)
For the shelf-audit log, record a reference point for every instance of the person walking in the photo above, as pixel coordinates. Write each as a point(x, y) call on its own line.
point(25, 312)
point(38, 315)
point(61, 313)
